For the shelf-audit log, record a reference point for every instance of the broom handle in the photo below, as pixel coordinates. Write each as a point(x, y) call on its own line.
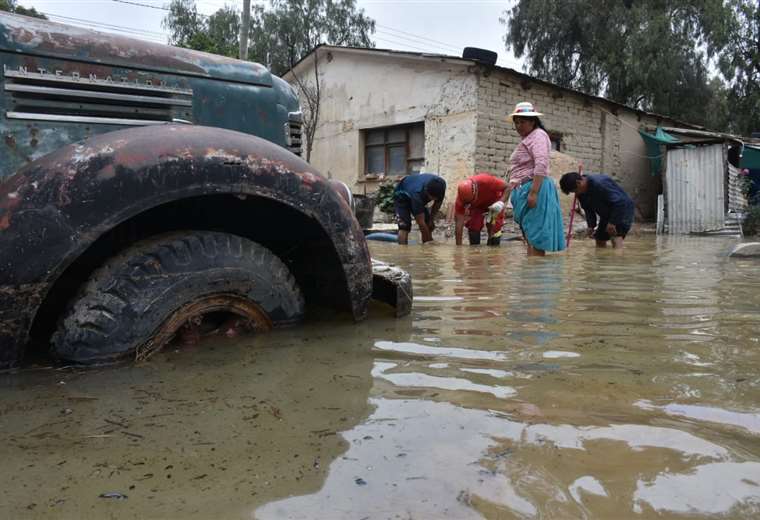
point(572, 211)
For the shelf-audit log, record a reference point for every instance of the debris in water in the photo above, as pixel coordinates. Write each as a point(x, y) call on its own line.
point(360, 482)
point(537, 367)
point(113, 494)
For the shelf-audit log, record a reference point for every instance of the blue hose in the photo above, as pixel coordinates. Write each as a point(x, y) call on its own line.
point(383, 237)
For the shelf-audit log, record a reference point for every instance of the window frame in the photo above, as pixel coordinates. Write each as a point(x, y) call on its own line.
point(389, 143)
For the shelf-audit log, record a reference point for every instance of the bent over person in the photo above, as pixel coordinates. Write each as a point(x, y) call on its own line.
point(601, 196)
point(411, 198)
point(480, 199)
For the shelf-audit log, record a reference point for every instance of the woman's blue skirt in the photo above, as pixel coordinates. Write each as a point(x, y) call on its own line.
point(542, 225)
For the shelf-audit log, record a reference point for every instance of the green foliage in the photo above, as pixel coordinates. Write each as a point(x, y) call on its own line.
point(739, 62)
point(645, 54)
point(384, 198)
point(280, 34)
point(12, 6)
point(290, 29)
point(218, 33)
point(751, 226)
point(745, 185)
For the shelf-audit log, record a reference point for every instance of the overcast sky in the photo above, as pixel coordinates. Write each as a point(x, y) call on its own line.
point(439, 26)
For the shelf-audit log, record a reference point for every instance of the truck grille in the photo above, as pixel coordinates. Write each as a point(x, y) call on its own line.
point(51, 97)
point(293, 132)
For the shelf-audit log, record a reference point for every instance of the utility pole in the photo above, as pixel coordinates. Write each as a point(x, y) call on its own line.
point(245, 21)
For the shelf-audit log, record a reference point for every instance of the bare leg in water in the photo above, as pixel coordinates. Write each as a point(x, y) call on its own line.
point(532, 251)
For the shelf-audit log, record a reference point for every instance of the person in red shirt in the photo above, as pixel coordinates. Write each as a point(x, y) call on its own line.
point(480, 197)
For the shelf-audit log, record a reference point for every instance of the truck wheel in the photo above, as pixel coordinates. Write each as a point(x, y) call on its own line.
point(138, 301)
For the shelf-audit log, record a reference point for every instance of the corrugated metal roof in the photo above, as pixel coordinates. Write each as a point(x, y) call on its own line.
point(695, 189)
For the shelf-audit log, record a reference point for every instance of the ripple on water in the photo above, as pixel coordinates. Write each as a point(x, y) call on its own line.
point(418, 380)
point(749, 421)
point(711, 489)
point(426, 350)
point(557, 354)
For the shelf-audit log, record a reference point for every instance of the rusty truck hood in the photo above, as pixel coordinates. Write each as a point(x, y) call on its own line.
point(22, 34)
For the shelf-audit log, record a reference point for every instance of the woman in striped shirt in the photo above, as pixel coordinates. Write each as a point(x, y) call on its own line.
point(535, 200)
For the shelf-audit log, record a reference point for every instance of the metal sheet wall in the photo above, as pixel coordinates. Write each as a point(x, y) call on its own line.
point(695, 185)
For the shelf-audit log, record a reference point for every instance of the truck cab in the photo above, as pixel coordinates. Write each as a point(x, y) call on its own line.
point(147, 189)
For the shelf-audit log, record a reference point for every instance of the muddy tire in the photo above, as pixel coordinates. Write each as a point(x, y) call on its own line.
point(137, 301)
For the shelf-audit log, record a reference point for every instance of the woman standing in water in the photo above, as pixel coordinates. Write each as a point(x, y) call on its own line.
point(535, 201)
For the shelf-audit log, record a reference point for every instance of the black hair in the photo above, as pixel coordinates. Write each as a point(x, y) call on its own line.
point(535, 119)
point(569, 181)
point(436, 187)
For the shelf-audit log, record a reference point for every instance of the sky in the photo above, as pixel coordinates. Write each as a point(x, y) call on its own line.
point(437, 26)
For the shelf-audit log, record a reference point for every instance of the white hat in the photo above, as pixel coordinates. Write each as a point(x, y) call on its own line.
point(524, 109)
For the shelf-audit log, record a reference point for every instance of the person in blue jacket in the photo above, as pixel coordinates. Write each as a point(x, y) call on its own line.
point(411, 198)
point(601, 197)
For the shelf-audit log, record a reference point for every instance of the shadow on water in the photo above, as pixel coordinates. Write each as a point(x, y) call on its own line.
point(583, 385)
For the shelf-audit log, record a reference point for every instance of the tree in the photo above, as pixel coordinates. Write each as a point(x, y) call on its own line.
point(290, 29)
point(651, 55)
point(280, 35)
point(217, 34)
point(12, 6)
point(740, 65)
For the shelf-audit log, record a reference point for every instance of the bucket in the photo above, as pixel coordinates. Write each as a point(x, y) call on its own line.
point(364, 210)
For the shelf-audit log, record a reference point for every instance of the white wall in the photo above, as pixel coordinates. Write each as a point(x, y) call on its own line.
point(367, 90)
point(464, 110)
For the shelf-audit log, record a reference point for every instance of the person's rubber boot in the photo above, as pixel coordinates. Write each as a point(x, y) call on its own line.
point(474, 237)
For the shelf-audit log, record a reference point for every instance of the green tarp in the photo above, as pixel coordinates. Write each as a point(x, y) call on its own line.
point(653, 143)
point(750, 158)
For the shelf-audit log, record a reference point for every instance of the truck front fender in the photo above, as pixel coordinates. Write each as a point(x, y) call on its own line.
point(56, 207)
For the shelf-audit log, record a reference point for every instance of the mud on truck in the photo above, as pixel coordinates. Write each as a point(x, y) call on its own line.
point(145, 187)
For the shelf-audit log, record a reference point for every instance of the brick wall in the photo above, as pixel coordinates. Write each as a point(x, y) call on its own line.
point(588, 131)
point(464, 108)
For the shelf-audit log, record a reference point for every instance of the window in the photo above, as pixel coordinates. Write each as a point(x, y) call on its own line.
point(556, 140)
point(394, 150)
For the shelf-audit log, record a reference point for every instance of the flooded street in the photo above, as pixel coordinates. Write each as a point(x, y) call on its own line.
point(582, 385)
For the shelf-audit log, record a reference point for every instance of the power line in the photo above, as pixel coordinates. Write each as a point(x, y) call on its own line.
point(386, 33)
point(110, 26)
point(130, 31)
point(395, 33)
point(417, 37)
point(142, 5)
point(400, 40)
point(428, 50)
point(436, 2)
point(138, 4)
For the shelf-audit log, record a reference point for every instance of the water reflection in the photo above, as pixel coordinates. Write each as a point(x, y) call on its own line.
point(585, 385)
point(658, 325)
point(420, 459)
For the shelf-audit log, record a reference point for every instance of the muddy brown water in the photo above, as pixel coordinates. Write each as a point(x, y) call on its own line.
point(583, 385)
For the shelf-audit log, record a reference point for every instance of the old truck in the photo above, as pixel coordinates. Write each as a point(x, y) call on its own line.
point(145, 187)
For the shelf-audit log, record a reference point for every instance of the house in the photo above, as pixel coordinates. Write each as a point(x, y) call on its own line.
point(702, 186)
point(384, 114)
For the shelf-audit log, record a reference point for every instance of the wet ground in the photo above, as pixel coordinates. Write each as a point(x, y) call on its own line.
point(586, 385)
